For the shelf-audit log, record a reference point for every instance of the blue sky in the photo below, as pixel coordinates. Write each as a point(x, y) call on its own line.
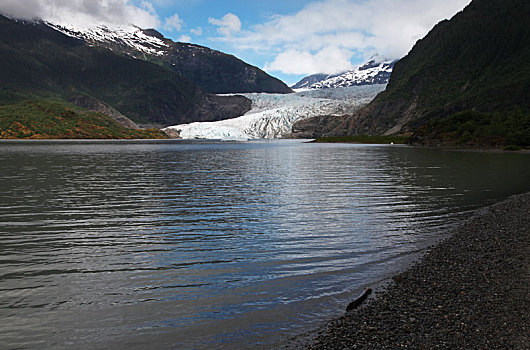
point(287, 38)
point(196, 14)
point(196, 27)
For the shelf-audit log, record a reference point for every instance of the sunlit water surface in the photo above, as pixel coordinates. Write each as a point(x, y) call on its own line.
point(179, 245)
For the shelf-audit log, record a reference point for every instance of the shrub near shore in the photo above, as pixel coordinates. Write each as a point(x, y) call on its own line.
point(47, 119)
point(476, 129)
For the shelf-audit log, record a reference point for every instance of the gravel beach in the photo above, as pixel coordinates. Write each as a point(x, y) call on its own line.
point(472, 291)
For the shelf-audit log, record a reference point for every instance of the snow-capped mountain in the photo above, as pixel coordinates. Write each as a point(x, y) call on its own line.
point(144, 41)
point(212, 70)
point(273, 115)
point(311, 79)
point(375, 71)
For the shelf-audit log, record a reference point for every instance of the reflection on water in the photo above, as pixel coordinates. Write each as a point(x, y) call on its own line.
point(192, 245)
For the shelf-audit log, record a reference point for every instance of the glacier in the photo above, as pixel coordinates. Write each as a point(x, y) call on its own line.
point(273, 115)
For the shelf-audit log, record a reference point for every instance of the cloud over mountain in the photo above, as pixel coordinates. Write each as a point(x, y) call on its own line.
point(322, 36)
point(228, 25)
point(324, 33)
point(84, 12)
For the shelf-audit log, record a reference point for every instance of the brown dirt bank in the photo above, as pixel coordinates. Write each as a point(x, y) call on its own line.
point(472, 291)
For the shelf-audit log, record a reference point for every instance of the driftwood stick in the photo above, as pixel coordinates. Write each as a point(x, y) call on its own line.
point(354, 304)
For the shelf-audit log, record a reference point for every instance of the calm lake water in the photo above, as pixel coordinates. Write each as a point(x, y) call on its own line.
point(175, 245)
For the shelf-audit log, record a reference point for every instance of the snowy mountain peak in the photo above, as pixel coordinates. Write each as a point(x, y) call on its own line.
point(306, 82)
point(377, 58)
point(376, 70)
point(148, 41)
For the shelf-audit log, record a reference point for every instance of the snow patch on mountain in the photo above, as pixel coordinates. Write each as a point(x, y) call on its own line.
point(306, 82)
point(130, 36)
point(375, 71)
point(273, 115)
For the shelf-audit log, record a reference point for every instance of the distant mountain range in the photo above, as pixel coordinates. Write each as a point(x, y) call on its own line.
point(306, 82)
point(466, 82)
point(375, 71)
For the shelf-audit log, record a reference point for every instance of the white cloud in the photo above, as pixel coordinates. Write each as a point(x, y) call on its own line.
point(146, 5)
point(173, 23)
point(175, 3)
point(322, 37)
point(184, 39)
point(84, 12)
point(196, 31)
point(228, 25)
point(330, 30)
point(329, 60)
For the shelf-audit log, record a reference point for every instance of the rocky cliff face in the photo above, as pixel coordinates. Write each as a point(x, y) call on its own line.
point(315, 127)
point(475, 61)
point(92, 104)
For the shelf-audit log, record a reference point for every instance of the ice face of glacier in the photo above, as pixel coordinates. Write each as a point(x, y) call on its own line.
point(273, 115)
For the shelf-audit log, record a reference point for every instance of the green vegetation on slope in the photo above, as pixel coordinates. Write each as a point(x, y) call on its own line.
point(477, 61)
point(476, 129)
point(46, 119)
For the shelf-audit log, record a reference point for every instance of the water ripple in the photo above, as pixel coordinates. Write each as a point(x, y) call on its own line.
point(196, 245)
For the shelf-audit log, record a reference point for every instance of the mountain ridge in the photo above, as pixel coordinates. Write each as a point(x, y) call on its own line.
point(214, 71)
point(476, 61)
point(41, 62)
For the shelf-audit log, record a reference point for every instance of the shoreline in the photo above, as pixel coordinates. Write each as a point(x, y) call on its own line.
point(439, 147)
point(470, 291)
